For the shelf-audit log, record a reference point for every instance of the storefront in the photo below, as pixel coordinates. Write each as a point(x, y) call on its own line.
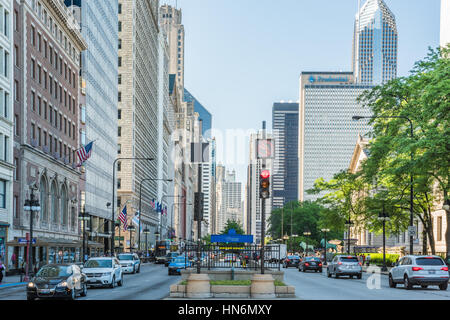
point(45, 251)
point(3, 237)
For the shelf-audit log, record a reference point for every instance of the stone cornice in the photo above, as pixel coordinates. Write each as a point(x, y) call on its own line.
point(61, 13)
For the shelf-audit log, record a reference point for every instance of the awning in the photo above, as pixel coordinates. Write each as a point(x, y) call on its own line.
point(49, 242)
point(4, 224)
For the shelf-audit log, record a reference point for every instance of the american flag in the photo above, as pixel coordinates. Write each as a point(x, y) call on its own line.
point(153, 204)
point(123, 218)
point(84, 153)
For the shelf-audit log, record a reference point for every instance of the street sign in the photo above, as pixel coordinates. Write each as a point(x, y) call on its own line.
point(264, 148)
point(232, 237)
point(412, 231)
point(24, 240)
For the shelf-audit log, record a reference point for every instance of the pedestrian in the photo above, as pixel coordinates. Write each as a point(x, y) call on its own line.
point(13, 260)
point(368, 259)
point(2, 267)
point(364, 258)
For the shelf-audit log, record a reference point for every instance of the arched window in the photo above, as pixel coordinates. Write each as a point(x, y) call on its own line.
point(54, 203)
point(64, 206)
point(43, 199)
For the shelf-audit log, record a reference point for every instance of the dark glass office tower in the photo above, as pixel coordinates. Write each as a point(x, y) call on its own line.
point(285, 175)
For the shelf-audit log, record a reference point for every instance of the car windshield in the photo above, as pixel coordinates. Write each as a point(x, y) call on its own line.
point(429, 262)
point(54, 271)
point(349, 259)
point(179, 260)
point(125, 257)
point(98, 264)
point(293, 257)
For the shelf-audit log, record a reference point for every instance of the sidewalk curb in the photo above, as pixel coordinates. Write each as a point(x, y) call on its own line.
point(12, 285)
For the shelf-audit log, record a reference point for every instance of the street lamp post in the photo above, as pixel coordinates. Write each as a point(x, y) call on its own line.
point(146, 232)
point(131, 228)
point(83, 218)
point(348, 224)
point(31, 205)
point(382, 216)
point(114, 194)
point(307, 234)
point(411, 196)
point(325, 246)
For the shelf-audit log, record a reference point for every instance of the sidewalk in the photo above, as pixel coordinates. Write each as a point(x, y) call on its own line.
point(12, 281)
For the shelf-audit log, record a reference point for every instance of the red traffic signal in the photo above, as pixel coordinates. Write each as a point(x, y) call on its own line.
point(265, 174)
point(264, 184)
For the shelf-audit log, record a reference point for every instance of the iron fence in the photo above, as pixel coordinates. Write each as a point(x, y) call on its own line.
point(217, 256)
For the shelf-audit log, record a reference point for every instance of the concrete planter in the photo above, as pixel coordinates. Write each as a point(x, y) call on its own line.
point(230, 291)
point(198, 286)
point(262, 287)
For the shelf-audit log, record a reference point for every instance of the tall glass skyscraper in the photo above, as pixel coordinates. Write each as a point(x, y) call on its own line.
point(99, 28)
point(285, 131)
point(375, 44)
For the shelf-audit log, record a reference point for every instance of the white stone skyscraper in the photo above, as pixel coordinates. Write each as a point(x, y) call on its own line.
point(170, 20)
point(445, 23)
point(375, 44)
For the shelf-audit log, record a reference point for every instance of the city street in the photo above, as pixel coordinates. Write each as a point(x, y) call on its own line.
point(317, 286)
point(152, 283)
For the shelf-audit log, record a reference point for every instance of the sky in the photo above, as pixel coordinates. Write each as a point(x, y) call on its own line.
point(241, 56)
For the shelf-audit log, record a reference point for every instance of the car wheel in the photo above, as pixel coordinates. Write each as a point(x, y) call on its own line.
point(320, 270)
point(113, 282)
point(299, 269)
point(120, 283)
point(84, 291)
point(351, 277)
point(443, 286)
point(30, 298)
point(337, 276)
point(359, 276)
point(134, 269)
point(424, 286)
point(392, 284)
point(407, 283)
point(139, 269)
point(328, 274)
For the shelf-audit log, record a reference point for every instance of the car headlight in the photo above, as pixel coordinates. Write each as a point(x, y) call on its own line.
point(31, 285)
point(62, 284)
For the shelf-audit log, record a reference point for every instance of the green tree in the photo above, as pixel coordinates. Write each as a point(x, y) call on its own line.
point(422, 97)
point(297, 217)
point(231, 224)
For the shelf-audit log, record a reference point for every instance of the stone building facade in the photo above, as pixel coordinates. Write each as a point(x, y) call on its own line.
point(46, 113)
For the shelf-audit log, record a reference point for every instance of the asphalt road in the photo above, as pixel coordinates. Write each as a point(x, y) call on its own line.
point(152, 283)
point(317, 286)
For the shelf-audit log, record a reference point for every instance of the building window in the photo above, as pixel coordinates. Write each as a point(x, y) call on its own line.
point(119, 96)
point(33, 34)
point(119, 131)
point(120, 61)
point(119, 114)
point(119, 183)
point(439, 229)
point(2, 194)
point(119, 149)
point(16, 125)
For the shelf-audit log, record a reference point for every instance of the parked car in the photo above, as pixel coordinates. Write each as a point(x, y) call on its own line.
point(419, 270)
point(178, 264)
point(310, 263)
point(345, 266)
point(103, 271)
point(170, 256)
point(57, 281)
point(130, 262)
point(291, 261)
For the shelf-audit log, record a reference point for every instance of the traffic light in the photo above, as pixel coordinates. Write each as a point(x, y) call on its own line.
point(264, 184)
